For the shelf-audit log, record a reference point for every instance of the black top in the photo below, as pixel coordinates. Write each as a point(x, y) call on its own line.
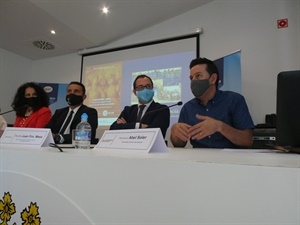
point(59, 116)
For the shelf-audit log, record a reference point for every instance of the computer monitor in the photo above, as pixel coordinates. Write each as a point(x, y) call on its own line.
point(288, 109)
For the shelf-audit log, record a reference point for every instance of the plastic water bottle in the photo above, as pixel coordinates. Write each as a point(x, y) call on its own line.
point(83, 133)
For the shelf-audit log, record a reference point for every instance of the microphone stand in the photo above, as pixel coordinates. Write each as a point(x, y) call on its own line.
point(13, 110)
point(6, 112)
point(178, 103)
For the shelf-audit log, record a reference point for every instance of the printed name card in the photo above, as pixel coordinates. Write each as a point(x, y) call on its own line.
point(33, 137)
point(133, 140)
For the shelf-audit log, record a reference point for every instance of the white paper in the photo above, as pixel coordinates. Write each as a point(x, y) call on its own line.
point(133, 140)
point(37, 137)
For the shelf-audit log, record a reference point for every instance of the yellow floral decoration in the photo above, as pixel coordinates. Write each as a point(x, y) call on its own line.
point(30, 217)
point(8, 208)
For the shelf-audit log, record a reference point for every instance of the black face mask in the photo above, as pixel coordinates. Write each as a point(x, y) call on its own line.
point(32, 101)
point(74, 99)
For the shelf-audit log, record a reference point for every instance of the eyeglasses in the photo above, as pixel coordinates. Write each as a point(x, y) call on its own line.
point(142, 87)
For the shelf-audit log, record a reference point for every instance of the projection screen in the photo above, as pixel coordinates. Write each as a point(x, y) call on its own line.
point(108, 75)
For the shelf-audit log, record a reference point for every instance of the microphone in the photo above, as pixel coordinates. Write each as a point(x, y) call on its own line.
point(166, 107)
point(13, 110)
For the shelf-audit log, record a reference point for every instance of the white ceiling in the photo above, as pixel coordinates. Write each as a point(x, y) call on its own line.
point(79, 24)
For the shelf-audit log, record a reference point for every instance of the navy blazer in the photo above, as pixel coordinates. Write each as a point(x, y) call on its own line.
point(60, 115)
point(156, 119)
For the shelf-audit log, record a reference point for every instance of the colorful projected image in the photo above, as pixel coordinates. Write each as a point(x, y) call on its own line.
point(104, 85)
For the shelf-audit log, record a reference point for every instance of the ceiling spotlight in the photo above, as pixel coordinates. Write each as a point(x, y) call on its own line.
point(52, 31)
point(105, 10)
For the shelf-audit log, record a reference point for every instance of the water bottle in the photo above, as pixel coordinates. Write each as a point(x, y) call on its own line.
point(83, 133)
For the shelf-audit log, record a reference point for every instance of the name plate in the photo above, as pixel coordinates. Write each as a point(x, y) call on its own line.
point(133, 140)
point(33, 137)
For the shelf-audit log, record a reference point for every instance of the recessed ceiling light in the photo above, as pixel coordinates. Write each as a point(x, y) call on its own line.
point(105, 10)
point(52, 31)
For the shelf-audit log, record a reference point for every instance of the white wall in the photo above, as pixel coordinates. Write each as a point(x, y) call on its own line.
point(62, 69)
point(228, 25)
point(14, 71)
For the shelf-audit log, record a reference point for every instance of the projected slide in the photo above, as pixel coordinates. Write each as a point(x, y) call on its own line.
point(104, 87)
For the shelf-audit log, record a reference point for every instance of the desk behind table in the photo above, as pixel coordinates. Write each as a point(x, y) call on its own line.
point(179, 187)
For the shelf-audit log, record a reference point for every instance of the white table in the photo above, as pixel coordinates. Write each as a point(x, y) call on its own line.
point(183, 186)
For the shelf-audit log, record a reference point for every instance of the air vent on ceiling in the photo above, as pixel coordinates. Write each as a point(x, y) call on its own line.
point(45, 45)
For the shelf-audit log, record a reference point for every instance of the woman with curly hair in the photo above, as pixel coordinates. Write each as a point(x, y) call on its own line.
point(31, 105)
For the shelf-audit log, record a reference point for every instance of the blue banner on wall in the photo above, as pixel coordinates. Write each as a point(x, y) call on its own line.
point(230, 72)
point(57, 95)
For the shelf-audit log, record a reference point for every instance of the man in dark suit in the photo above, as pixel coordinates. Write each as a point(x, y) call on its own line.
point(145, 114)
point(66, 119)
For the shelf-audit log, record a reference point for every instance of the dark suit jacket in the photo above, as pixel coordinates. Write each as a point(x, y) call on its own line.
point(59, 117)
point(156, 119)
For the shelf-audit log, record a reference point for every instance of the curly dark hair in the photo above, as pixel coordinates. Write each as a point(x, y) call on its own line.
point(19, 99)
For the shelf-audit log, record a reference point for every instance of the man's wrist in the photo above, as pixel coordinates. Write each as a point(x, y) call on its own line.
point(221, 127)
